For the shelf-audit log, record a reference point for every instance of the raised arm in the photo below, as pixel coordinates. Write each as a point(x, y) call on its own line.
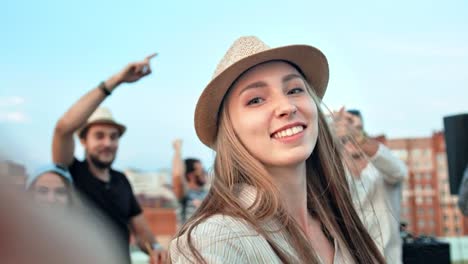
point(391, 167)
point(62, 144)
point(178, 170)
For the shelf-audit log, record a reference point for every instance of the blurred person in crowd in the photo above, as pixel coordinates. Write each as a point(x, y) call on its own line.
point(49, 235)
point(463, 193)
point(51, 184)
point(99, 134)
point(376, 178)
point(189, 182)
point(279, 192)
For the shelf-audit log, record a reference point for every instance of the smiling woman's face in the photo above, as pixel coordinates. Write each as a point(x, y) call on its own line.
point(273, 114)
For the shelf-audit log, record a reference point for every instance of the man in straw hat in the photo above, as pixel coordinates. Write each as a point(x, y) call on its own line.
point(99, 133)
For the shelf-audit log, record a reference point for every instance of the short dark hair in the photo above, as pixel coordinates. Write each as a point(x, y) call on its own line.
point(190, 166)
point(357, 113)
point(84, 133)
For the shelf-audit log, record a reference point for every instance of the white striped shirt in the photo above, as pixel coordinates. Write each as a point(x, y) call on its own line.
point(371, 199)
point(225, 239)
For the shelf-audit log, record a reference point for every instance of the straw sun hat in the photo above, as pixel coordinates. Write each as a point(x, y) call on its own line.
point(245, 53)
point(102, 115)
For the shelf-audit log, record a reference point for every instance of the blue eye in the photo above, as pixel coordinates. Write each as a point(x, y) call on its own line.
point(296, 90)
point(255, 100)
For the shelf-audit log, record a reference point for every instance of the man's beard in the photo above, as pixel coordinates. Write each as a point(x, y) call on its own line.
point(100, 164)
point(199, 182)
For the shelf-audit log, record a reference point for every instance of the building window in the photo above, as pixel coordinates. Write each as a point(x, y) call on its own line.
point(416, 152)
point(431, 224)
point(401, 153)
point(446, 230)
point(417, 176)
point(405, 196)
point(404, 210)
point(446, 217)
point(430, 203)
point(421, 223)
point(441, 170)
point(419, 200)
point(428, 176)
point(404, 155)
point(441, 158)
point(428, 152)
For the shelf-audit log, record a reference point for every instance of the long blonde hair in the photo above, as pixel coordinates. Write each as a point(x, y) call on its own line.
point(328, 197)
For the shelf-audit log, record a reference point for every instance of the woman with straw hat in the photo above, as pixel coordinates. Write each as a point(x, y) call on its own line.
point(279, 192)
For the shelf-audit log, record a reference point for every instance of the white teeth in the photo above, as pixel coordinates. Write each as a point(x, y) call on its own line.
point(288, 132)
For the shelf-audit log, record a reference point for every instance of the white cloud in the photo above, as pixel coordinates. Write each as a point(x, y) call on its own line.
point(9, 112)
point(13, 117)
point(11, 101)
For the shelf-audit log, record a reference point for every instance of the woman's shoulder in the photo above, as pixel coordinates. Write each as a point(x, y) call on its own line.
point(222, 226)
point(219, 239)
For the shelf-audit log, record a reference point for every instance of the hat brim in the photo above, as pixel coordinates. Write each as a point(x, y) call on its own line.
point(311, 61)
point(120, 127)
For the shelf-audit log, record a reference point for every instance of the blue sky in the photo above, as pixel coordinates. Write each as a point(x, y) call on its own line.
point(403, 63)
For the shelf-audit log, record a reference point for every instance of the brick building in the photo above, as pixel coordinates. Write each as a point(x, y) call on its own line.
point(427, 205)
point(13, 174)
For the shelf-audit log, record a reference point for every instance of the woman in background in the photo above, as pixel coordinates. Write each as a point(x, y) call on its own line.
point(51, 184)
